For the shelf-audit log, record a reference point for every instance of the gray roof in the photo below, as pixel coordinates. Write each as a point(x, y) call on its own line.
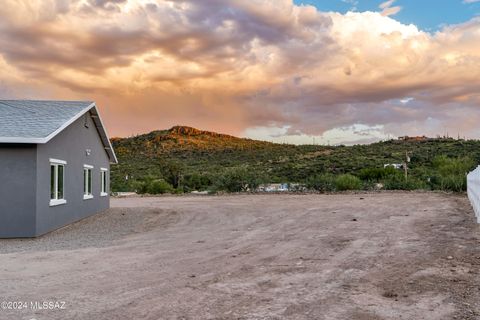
point(36, 119)
point(32, 121)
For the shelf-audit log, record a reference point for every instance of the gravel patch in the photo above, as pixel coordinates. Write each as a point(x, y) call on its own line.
point(102, 230)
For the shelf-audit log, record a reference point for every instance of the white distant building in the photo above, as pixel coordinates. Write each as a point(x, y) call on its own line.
point(275, 187)
point(395, 165)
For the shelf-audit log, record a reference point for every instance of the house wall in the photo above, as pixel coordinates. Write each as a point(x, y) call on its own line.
point(17, 190)
point(71, 145)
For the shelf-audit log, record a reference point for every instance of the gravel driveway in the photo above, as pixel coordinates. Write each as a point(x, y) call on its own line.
point(343, 256)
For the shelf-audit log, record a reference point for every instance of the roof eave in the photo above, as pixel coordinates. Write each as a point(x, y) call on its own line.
point(102, 131)
point(22, 140)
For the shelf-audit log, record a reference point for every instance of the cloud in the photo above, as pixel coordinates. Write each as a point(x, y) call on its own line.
point(470, 1)
point(231, 65)
point(406, 100)
point(388, 10)
point(353, 3)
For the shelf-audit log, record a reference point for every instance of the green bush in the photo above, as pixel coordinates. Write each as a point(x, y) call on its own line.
point(398, 182)
point(238, 179)
point(172, 171)
point(141, 186)
point(376, 174)
point(195, 181)
point(153, 186)
point(321, 182)
point(453, 166)
point(347, 182)
point(451, 182)
point(451, 173)
point(159, 186)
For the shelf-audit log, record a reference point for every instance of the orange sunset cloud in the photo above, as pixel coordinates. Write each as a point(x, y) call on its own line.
point(261, 68)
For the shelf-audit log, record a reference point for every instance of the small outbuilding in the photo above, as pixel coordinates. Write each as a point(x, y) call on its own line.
point(55, 161)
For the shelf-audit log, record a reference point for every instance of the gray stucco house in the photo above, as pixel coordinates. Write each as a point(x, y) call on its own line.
point(55, 161)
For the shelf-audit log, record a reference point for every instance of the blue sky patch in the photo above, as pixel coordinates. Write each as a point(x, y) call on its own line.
point(428, 15)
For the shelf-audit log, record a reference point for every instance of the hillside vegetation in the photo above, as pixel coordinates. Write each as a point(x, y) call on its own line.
point(184, 159)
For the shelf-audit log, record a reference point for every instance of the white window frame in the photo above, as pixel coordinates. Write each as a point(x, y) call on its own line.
point(104, 182)
point(87, 182)
point(56, 163)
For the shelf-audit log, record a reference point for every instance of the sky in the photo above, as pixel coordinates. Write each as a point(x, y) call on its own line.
point(427, 15)
point(323, 71)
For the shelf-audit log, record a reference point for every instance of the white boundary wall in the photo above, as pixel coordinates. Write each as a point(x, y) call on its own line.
point(473, 189)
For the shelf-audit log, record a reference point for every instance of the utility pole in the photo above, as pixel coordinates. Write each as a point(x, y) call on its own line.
point(405, 167)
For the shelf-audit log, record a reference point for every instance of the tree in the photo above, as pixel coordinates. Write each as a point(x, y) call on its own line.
point(173, 172)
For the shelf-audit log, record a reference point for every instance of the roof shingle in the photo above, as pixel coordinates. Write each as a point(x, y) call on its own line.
point(36, 119)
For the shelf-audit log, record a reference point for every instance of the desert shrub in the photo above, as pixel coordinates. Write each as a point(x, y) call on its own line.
point(153, 186)
point(296, 187)
point(453, 166)
point(120, 185)
point(376, 174)
point(197, 182)
point(238, 179)
point(321, 182)
point(451, 182)
point(451, 173)
point(398, 182)
point(371, 185)
point(141, 186)
point(347, 182)
point(172, 171)
point(159, 186)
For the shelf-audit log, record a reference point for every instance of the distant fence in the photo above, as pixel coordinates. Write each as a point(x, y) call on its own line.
point(473, 189)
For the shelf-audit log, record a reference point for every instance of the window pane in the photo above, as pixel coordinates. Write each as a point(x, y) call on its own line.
point(105, 182)
point(60, 182)
point(85, 177)
point(52, 182)
point(89, 181)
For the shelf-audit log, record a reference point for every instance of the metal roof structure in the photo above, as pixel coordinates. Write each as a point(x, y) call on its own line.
point(39, 121)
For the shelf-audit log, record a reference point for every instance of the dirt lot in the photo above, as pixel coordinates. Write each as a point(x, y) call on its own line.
point(352, 256)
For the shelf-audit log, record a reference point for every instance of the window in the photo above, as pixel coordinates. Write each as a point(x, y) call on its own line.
point(87, 182)
point(103, 175)
point(57, 182)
